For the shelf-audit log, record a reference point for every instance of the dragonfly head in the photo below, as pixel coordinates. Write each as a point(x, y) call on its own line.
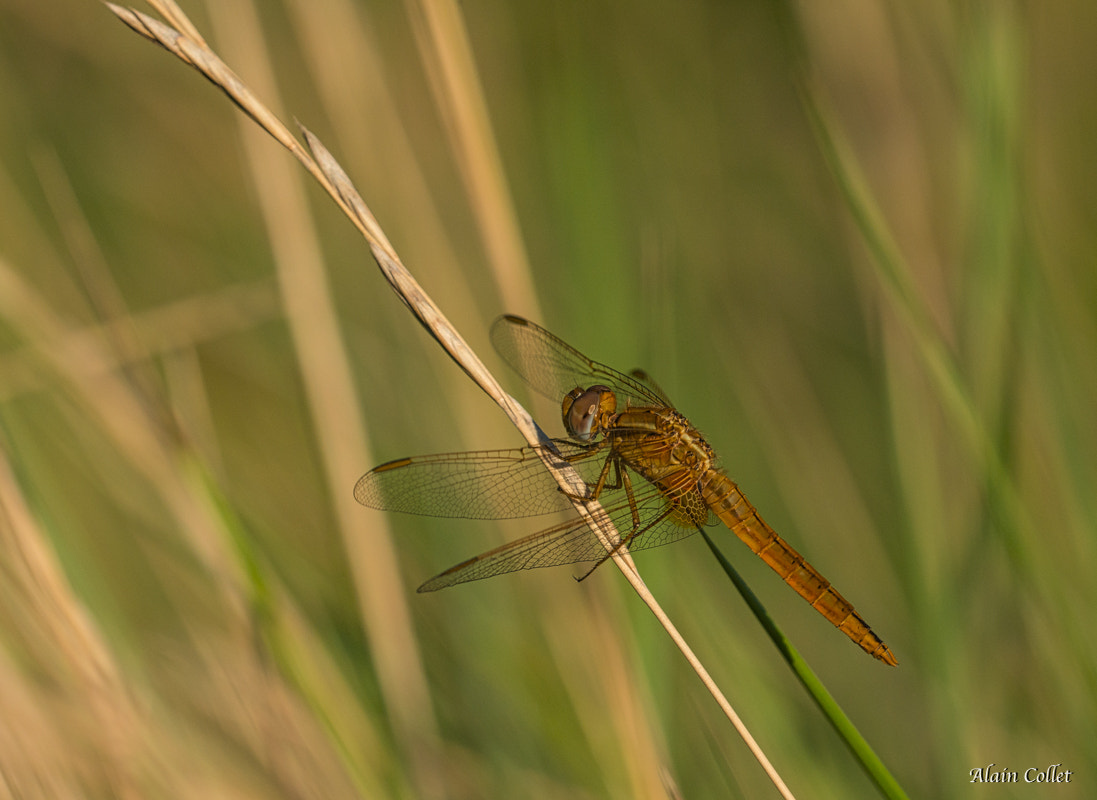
point(587, 411)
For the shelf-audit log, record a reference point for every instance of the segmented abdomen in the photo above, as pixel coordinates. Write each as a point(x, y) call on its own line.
point(727, 502)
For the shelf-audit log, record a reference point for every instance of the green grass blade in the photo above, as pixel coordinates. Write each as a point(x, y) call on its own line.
point(857, 744)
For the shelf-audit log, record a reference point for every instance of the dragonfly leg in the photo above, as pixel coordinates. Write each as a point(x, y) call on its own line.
point(592, 494)
point(603, 483)
point(623, 478)
point(624, 543)
point(620, 479)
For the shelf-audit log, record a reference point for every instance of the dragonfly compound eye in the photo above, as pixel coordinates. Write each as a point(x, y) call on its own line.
point(585, 410)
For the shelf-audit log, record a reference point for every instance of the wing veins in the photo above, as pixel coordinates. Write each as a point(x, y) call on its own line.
point(572, 541)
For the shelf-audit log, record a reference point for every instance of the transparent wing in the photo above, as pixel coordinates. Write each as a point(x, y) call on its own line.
point(553, 368)
point(651, 385)
point(488, 484)
point(645, 519)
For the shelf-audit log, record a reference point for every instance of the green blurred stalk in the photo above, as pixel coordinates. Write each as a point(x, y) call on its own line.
point(848, 732)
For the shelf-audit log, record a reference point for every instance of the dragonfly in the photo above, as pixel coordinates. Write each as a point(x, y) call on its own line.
point(642, 460)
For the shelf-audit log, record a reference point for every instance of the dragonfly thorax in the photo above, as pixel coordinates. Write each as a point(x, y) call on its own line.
point(588, 412)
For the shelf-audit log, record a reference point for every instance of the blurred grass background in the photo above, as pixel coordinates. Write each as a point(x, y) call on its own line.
point(191, 603)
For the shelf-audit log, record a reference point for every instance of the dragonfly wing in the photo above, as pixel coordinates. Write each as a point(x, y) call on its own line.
point(553, 367)
point(642, 523)
point(651, 385)
point(568, 543)
point(487, 484)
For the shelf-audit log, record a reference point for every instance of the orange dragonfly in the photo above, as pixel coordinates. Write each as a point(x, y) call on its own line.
point(651, 470)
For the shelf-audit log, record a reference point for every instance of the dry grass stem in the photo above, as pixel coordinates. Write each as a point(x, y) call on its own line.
point(163, 330)
point(112, 401)
point(447, 54)
point(332, 177)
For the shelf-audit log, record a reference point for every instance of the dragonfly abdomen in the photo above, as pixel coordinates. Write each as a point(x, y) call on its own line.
point(734, 510)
